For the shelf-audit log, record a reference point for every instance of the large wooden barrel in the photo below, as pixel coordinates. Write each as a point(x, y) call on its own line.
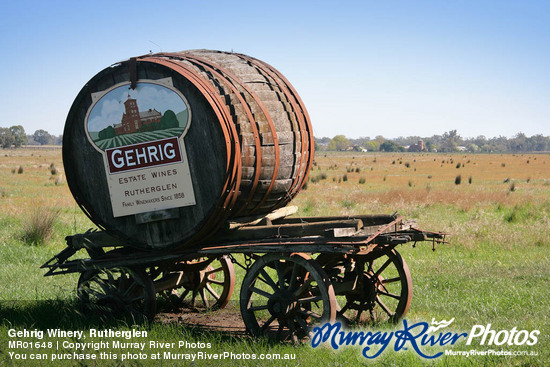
point(161, 150)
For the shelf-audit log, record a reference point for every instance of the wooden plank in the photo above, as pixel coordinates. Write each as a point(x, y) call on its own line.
point(252, 221)
point(340, 232)
point(368, 220)
point(287, 230)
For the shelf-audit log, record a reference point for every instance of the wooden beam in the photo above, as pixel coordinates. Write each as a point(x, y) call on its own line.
point(286, 230)
point(252, 221)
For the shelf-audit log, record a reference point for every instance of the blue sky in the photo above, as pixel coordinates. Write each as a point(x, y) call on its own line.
point(363, 68)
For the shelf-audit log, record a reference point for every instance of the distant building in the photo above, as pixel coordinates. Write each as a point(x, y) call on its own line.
point(418, 147)
point(133, 119)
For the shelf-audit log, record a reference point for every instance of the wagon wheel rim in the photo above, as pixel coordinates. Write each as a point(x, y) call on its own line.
point(284, 296)
point(118, 291)
point(209, 287)
point(383, 291)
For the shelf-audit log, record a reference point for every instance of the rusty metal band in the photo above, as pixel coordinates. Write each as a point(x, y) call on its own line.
point(227, 195)
point(306, 117)
point(234, 162)
point(309, 129)
point(233, 167)
point(275, 142)
point(222, 74)
point(304, 141)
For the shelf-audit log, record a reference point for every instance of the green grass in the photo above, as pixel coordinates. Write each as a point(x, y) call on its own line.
point(496, 270)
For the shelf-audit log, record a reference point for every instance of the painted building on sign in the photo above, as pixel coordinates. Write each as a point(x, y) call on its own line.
point(133, 119)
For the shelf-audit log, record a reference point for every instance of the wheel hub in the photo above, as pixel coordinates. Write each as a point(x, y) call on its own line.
point(364, 296)
point(282, 304)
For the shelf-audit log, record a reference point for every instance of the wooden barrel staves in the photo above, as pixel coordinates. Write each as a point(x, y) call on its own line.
point(162, 149)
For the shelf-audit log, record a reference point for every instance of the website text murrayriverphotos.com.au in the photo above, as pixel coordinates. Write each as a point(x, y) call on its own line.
point(428, 340)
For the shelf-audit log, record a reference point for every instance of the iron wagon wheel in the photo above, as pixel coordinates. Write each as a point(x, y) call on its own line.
point(383, 289)
point(117, 291)
point(204, 283)
point(283, 296)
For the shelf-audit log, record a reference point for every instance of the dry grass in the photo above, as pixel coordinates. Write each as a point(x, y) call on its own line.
point(404, 181)
point(38, 229)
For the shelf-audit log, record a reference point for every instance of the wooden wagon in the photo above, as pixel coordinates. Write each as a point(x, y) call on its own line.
point(299, 272)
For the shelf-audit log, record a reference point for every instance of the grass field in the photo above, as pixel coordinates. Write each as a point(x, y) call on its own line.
point(496, 270)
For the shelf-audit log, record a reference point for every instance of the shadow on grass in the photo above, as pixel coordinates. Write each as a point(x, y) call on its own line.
point(57, 314)
point(223, 326)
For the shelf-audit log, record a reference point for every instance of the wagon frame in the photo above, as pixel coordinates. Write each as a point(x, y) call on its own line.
point(299, 271)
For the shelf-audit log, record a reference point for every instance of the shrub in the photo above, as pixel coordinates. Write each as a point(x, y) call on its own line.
point(318, 177)
point(362, 180)
point(470, 180)
point(407, 164)
point(458, 180)
point(513, 187)
point(39, 227)
point(345, 178)
point(458, 165)
point(20, 170)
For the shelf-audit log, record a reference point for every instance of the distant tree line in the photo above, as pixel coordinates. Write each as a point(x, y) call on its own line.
point(450, 141)
point(15, 136)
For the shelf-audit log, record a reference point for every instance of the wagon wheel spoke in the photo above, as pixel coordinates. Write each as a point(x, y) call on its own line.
point(384, 307)
point(392, 280)
point(303, 287)
point(267, 279)
point(310, 299)
point(383, 267)
point(124, 291)
point(215, 281)
point(303, 324)
point(267, 323)
point(205, 283)
point(308, 313)
point(213, 271)
point(280, 274)
point(385, 291)
point(184, 294)
point(203, 298)
point(293, 275)
point(194, 297)
point(130, 288)
point(212, 292)
point(387, 294)
point(258, 308)
point(261, 292)
point(295, 305)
